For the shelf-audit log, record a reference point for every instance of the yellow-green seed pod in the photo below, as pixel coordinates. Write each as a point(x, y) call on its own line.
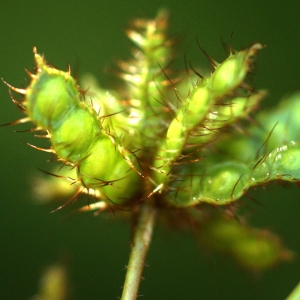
point(72, 138)
point(53, 102)
point(259, 251)
point(252, 248)
point(224, 183)
point(231, 73)
point(50, 97)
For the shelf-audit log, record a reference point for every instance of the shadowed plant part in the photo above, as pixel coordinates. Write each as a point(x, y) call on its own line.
point(172, 145)
point(54, 283)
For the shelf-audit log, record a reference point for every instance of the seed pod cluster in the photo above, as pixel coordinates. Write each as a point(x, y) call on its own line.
point(182, 142)
point(150, 143)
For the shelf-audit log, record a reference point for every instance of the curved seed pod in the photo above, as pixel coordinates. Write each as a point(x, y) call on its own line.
point(225, 182)
point(54, 103)
point(282, 163)
point(202, 112)
point(219, 184)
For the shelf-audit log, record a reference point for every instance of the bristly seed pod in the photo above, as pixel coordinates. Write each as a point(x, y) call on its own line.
point(54, 103)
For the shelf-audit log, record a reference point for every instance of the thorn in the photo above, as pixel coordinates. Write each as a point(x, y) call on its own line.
point(58, 176)
point(230, 43)
point(42, 136)
point(16, 102)
point(21, 91)
point(186, 68)
point(99, 206)
point(26, 130)
point(33, 76)
point(50, 150)
point(213, 63)
point(73, 198)
point(20, 121)
point(196, 72)
point(69, 69)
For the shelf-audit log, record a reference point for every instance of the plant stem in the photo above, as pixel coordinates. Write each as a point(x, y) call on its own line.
point(295, 294)
point(142, 233)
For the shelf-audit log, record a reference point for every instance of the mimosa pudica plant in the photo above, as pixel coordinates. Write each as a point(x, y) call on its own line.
point(176, 146)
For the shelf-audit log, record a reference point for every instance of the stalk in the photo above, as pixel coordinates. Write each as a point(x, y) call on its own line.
point(142, 234)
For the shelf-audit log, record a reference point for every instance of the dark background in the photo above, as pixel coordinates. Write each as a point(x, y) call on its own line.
point(90, 35)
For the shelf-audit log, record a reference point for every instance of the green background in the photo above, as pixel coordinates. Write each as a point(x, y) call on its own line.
point(90, 36)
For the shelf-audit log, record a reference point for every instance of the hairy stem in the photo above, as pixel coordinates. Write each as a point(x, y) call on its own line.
point(140, 243)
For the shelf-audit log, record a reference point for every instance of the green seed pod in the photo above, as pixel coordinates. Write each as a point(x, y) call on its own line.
point(282, 120)
point(72, 139)
point(277, 127)
point(219, 184)
point(231, 73)
point(224, 183)
point(50, 96)
point(259, 250)
point(145, 76)
point(220, 233)
point(282, 163)
point(252, 248)
point(54, 103)
point(210, 106)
